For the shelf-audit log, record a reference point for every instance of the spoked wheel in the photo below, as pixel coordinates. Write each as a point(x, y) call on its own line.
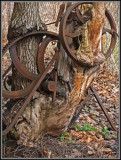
point(74, 16)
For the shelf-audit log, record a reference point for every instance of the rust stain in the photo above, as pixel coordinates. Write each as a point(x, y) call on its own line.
point(79, 79)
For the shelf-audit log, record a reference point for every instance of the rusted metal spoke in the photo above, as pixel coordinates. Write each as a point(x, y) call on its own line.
point(62, 6)
point(79, 15)
point(48, 85)
point(111, 31)
point(105, 30)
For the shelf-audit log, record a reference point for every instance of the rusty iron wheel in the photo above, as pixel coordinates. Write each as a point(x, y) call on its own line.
point(64, 34)
point(25, 73)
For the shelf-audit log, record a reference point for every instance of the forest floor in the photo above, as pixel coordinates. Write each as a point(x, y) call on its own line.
point(91, 136)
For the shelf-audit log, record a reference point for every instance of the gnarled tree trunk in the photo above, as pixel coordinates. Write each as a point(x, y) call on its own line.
point(42, 115)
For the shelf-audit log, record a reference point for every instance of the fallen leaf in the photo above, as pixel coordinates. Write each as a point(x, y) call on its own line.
point(31, 144)
point(90, 152)
point(92, 133)
point(87, 139)
point(111, 155)
point(77, 134)
point(8, 150)
point(106, 150)
point(46, 152)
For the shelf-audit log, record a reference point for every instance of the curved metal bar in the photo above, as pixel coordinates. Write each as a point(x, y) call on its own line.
point(41, 33)
point(80, 17)
point(113, 39)
point(106, 30)
point(41, 52)
point(18, 94)
point(25, 73)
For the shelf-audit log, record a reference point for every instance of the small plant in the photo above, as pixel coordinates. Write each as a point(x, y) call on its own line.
point(103, 131)
point(65, 137)
point(94, 115)
point(7, 54)
point(86, 110)
point(106, 133)
point(86, 127)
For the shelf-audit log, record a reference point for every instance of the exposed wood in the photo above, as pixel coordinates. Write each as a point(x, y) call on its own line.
point(89, 51)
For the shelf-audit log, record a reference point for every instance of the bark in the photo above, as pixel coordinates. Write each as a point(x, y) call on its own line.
point(25, 18)
point(41, 114)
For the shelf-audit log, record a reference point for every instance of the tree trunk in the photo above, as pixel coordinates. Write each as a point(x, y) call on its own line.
point(25, 18)
point(41, 114)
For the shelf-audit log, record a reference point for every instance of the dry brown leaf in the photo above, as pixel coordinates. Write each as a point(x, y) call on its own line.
point(46, 152)
point(77, 134)
point(100, 137)
point(31, 144)
point(8, 150)
point(25, 141)
point(90, 152)
point(106, 150)
point(92, 133)
point(111, 155)
point(87, 139)
point(94, 138)
point(96, 145)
